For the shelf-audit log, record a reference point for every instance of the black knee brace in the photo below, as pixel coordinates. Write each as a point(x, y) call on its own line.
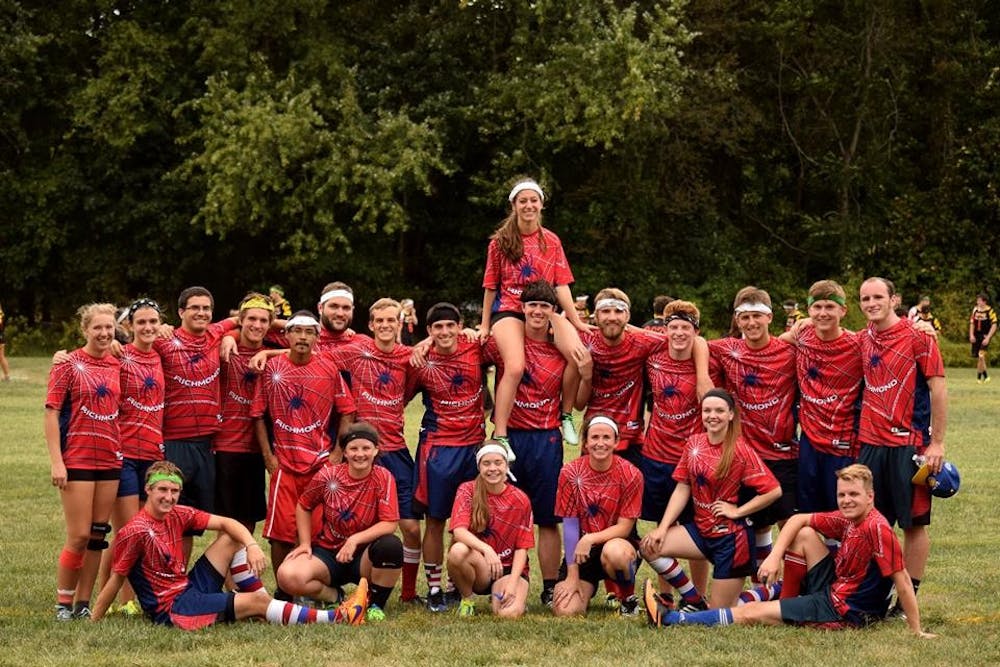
point(386, 552)
point(99, 543)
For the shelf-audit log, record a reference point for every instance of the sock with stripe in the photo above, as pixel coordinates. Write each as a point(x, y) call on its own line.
point(670, 570)
point(433, 573)
point(243, 577)
point(288, 613)
point(411, 565)
point(762, 549)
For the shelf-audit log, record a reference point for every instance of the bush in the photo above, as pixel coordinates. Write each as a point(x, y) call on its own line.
point(41, 340)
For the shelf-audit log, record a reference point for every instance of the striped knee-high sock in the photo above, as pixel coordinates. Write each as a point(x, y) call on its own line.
point(243, 577)
point(670, 570)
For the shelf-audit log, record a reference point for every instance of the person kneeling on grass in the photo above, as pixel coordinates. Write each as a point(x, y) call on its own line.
point(848, 590)
point(148, 551)
point(491, 525)
point(356, 541)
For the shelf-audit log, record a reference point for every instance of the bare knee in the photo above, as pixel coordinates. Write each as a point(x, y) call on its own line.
point(457, 554)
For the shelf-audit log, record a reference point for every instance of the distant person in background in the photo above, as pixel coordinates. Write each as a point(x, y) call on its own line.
point(922, 313)
point(282, 309)
point(792, 313)
point(408, 319)
point(659, 304)
point(982, 327)
point(3, 344)
point(582, 311)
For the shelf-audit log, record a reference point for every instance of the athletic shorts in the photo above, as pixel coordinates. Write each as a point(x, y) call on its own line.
point(400, 465)
point(815, 606)
point(504, 314)
point(657, 486)
point(786, 470)
point(438, 474)
point(341, 573)
point(197, 464)
point(592, 571)
point(283, 496)
point(892, 469)
point(539, 460)
point(978, 347)
point(240, 491)
point(731, 555)
point(203, 602)
point(132, 481)
point(88, 475)
point(817, 481)
point(488, 588)
point(632, 453)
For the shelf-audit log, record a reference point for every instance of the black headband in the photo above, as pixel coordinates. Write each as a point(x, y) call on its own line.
point(369, 434)
point(142, 303)
point(720, 393)
point(682, 316)
point(443, 311)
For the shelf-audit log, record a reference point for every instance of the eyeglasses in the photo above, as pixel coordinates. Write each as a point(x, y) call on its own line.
point(200, 309)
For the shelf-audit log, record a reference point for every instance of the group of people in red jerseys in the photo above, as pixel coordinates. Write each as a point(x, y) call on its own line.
point(321, 410)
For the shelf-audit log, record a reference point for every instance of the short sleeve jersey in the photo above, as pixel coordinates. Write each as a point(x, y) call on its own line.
point(675, 415)
point(617, 379)
point(509, 278)
point(350, 505)
point(299, 401)
point(537, 403)
point(510, 525)
point(141, 416)
point(191, 371)
point(453, 396)
point(982, 320)
point(239, 388)
point(378, 384)
point(150, 552)
point(599, 498)
point(830, 379)
point(895, 410)
point(869, 555)
point(763, 383)
point(86, 391)
point(697, 469)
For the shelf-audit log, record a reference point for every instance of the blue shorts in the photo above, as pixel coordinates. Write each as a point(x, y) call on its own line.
point(657, 486)
point(444, 470)
point(400, 465)
point(815, 606)
point(892, 471)
point(539, 460)
point(197, 464)
point(133, 478)
point(203, 602)
point(817, 483)
point(731, 555)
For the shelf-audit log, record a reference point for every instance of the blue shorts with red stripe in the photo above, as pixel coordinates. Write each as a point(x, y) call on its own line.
point(438, 473)
point(657, 486)
point(731, 555)
point(817, 485)
point(539, 460)
point(400, 464)
point(203, 602)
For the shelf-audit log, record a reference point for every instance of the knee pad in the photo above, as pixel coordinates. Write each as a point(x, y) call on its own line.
point(99, 543)
point(386, 552)
point(71, 560)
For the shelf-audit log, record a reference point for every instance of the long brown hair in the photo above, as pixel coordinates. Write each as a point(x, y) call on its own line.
point(479, 518)
point(507, 235)
point(733, 432)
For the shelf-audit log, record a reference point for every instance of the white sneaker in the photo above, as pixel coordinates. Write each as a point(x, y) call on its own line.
point(569, 430)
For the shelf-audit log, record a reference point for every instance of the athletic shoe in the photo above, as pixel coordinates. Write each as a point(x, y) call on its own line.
point(435, 601)
point(505, 441)
point(895, 611)
point(63, 613)
point(83, 613)
point(629, 606)
point(569, 430)
point(467, 607)
point(667, 600)
point(986, 379)
point(452, 597)
point(655, 609)
point(979, 380)
point(547, 596)
point(612, 603)
point(352, 609)
point(691, 607)
point(130, 609)
point(374, 614)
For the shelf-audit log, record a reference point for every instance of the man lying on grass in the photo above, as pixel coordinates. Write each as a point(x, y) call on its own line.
point(148, 551)
point(848, 590)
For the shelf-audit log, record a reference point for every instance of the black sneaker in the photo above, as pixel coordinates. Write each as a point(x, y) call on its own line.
point(895, 611)
point(547, 595)
point(452, 598)
point(691, 607)
point(629, 606)
point(436, 602)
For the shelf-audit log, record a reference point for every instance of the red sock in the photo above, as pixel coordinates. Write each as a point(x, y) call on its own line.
point(795, 572)
point(612, 588)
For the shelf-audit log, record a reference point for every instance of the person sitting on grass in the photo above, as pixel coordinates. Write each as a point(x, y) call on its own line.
point(148, 551)
point(847, 590)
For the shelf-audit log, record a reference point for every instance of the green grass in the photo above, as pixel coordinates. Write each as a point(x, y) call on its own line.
point(960, 598)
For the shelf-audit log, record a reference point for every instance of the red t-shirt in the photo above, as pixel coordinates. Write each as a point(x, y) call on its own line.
point(86, 391)
point(509, 278)
point(895, 410)
point(830, 378)
point(537, 402)
point(239, 387)
point(350, 505)
point(453, 396)
point(697, 469)
point(676, 415)
point(140, 418)
point(191, 371)
point(299, 401)
point(617, 381)
point(598, 499)
point(510, 526)
point(763, 383)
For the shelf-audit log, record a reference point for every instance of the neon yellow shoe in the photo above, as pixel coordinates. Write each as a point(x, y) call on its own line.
point(130, 609)
point(467, 607)
point(374, 614)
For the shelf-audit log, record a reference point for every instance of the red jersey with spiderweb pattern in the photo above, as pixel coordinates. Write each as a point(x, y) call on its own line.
point(378, 384)
point(598, 499)
point(616, 388)
point(86, 391)
point(830, 378)
point(509, 278)
point(150, 552)
point(676, 414)
point(191, 370)
point(140, 418)
point(453, 396)
point(239, 388)
point(869, 555)
point(537, 402)
point(895, 410)
point(350, 505)
point(510, 526)
point(299, 401)
point(697, 469)
point(763, 384)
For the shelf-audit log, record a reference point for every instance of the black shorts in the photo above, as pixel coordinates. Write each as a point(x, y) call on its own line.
point(592, 571)
point(892, 472)
point(341, 573)
point(486, 590)
point(978, 346)
point(86, 475)
point(787, 472)
point(197, 464)
point(815, 606)
point(503, 314)
point(240, 491)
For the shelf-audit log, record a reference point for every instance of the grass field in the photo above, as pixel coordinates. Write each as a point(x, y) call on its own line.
point(960, 597)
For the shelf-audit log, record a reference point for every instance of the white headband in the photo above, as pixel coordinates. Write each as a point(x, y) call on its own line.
point(754, 307)
point(302, 321)
point(334, 293)
point(525, 185)
point(492, 448)
point(607, 421)
point(617, 304)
